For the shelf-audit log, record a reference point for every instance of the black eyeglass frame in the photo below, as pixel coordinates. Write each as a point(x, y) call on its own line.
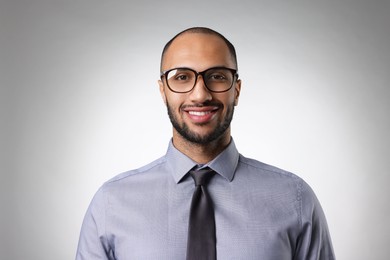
point(202, 73)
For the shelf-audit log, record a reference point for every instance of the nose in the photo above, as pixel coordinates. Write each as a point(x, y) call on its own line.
point(200, 93)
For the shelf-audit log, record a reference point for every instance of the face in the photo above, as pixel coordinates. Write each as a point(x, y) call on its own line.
point(199, 116)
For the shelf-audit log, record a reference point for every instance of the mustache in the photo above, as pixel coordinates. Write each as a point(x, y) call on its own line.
point(205, 104)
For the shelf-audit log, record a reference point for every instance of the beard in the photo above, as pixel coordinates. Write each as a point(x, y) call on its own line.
point(184, 130)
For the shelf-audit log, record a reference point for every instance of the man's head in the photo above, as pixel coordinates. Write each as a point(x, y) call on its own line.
point(200, 106)
point(201, 30)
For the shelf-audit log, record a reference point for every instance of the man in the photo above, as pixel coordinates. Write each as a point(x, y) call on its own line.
point(255, 211)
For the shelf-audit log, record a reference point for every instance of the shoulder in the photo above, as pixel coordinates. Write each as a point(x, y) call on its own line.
point(272, 178)
point(131, 183)
point(134, 174)
point(264, 169)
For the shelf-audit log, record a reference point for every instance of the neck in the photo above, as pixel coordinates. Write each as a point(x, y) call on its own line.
point(201, 153)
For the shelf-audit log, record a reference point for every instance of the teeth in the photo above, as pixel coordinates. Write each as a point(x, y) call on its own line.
point(199, 113)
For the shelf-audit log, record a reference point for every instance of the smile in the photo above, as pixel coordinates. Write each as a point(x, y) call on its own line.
point(199, 113)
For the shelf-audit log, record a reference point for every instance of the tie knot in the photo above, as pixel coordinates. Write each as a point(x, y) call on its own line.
point(202, 176)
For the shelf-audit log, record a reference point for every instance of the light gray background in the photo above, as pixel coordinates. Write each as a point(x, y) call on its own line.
point(80, 104)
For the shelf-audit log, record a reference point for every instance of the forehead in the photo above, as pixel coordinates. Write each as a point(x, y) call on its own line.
point(198, 51)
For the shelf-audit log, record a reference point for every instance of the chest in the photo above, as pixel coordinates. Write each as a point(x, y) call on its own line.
point(249, 225)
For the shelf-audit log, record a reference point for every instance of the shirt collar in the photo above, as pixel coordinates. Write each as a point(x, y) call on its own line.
point(224, 164)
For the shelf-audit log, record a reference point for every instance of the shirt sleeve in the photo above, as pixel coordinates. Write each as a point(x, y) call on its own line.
point(93, 243)
point(314, 242)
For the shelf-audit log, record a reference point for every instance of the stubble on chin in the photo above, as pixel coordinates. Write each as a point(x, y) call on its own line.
point(184, 130)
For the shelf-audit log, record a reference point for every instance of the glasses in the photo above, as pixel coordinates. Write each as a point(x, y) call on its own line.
point(216, 79)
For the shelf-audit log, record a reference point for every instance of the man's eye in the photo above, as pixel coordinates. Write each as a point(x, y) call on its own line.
point(181, 77)
point(218, 77)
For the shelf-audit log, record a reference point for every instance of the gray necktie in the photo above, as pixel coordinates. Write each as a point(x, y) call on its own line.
point(201, 244)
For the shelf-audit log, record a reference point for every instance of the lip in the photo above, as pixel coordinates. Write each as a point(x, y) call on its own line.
point(201, 115)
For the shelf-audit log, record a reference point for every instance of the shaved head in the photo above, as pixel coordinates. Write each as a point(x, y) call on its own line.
point(201, 30)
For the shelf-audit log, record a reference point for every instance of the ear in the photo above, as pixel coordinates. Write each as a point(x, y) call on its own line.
point(162, 92)
point(237, 91)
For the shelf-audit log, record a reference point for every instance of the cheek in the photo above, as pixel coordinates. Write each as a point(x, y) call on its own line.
point(174, 102)
point(229, 100)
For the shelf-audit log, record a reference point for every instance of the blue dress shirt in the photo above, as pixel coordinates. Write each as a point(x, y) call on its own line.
point(261, 212)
